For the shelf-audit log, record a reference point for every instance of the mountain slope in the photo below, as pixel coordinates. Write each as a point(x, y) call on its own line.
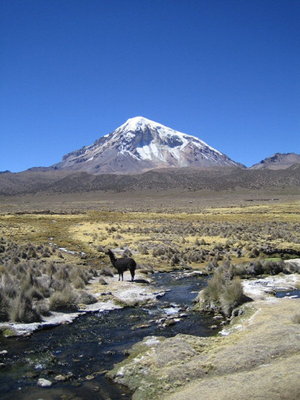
point(140, 145)
point(278, 161)
point(182, 179)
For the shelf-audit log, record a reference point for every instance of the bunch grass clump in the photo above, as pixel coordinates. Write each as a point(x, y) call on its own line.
point(31, 285)
point(222, 294)
point(67, 300)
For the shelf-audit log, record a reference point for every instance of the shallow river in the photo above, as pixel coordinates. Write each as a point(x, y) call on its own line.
point(83, 351)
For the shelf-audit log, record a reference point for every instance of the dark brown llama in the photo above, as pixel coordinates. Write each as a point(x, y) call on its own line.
point(122, 264)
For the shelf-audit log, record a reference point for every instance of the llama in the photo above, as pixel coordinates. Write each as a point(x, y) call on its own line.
point(122, 264)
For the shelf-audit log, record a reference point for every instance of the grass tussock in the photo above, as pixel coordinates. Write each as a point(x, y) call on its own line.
point(67, 300)
point(296, 319)
point(222, 294)
point(31, 286)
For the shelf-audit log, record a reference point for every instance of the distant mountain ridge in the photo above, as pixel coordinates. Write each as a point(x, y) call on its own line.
point(140, 145)
point(181, 179)
point(278, 161)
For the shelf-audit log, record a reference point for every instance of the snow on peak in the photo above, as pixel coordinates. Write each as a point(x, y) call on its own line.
point(138, 124)
point(149, 144)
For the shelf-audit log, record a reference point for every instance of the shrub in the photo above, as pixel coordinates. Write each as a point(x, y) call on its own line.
point(296, 319)
point(10, 287)
point(43, 285)
point(106, 271)
point(77, 275)
point(4, 306)
point(87, 298)
point(222, 294)
point(271, 267)
point(78, 283)
point(143, 249)
point(215, 285)
point(62, 273)
point(34, 293)
point(42, 307)
point(22, 310)
point(64, 301)
point(232, 296)
point(254, 253)
point(158, 251)
point(258, 268)
point(57, 284)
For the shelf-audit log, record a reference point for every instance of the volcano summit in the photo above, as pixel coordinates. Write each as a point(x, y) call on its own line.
point(140, 145)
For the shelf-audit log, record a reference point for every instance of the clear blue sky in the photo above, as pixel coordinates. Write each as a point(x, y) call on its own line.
point(71, 71)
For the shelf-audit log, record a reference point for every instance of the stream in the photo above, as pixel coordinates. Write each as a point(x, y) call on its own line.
point(75, 357)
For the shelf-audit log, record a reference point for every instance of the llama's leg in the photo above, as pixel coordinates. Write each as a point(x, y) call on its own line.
point(132, 274)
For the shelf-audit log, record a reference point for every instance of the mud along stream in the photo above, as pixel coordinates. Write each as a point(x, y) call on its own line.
point(75, 357)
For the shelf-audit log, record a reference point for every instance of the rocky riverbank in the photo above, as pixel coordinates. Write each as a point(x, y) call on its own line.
point(110, 293)
point(257, 355)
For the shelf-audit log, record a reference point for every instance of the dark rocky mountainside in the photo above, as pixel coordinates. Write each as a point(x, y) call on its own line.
point(192, 179)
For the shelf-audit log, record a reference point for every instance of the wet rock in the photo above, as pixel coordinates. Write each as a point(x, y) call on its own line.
point(140, 326)
point(109, 353)
point(31, 375)
point(170, 322)
point(90, 377)
point(44, 382)
point(64, 378)
point(60, 378)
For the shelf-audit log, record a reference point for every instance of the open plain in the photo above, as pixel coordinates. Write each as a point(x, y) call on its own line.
point(197, 227)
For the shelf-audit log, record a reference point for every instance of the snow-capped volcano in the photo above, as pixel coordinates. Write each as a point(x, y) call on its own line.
point(140, 145)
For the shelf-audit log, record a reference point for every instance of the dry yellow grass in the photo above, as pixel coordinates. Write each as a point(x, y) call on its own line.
point(243, 226)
